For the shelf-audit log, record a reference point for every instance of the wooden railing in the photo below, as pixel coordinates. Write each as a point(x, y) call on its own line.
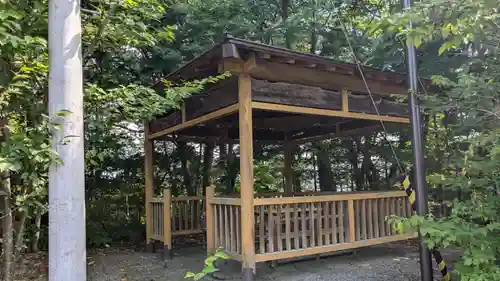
point(224, 227)
point(297, 226)
point(183, 215)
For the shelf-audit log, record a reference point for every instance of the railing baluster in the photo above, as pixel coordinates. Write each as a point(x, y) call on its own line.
point(387, 213)
point(232, 230)
point(320, 224)
point(303, 226)
point(238, 230)
point(226, 229)
point(193, 218)
point(174, 214)
point(262, 226)
point(288, 242)
point(333, 222)
point(357, 210)
point(352, 227)
point(363, 217)
point(279, 235)
point(311, 225)
point(270, 227)
point(341, 220)
point(370, 218)
point(376, 218)
point(296, 226)
point(327, 220)
point(186, 216)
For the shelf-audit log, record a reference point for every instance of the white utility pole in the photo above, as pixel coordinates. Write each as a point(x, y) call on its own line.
point(67, 254)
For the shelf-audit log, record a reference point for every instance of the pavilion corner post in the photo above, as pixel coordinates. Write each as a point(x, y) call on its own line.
point(246, 175)
point(67, 253)
point(418, 153)
point(148, 186)
point(167, 226)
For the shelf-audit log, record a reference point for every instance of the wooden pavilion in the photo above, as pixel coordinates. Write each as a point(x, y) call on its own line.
point(280, 96)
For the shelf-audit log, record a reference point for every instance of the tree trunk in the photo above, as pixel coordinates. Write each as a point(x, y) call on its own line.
point(186, 175)
point(36, 234)
point(19, 245)
point(284, 16)
point(208, 157)
point(325, 171)
point(7, 229)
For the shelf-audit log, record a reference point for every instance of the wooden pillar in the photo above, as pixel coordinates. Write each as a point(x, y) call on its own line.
point(345, 100)
point(148, 186)
point(246, 176)
point(288, 170)
point(167, 227)
point(352, 225)
point(209, 219)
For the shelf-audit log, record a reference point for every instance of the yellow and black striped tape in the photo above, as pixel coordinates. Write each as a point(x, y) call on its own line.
point(437, 255)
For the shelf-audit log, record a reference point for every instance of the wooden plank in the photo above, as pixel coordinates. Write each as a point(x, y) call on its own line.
point(174, 216)
point(167, 227)
point(341, 222)
point(156, 200)
point(227, 230)
point(331, 248)
point(157, 237)
point(345, 100)
point(148, 182)
point(369, 223)
point(325, 198)
point(212, 115)
point(270, 229)
point(387, 213)
point(303, 228)
point(376, 229)
point(222, 233)
point(238, 229)
point(232, 230)
point(193, 214)
point(288, 241)
point(326, 112)
point(393, 212)
point(246, 171)
point(295, 94)
point(273, 71)
point(333, 222)
point(352, 228)
point(218, 240)
point(296, 225)
point(327, 220)
point(187, 232)
point(187, 198)
point(262, 243)
point(363, 217)
point(357, 210)
point(312, 238)
point(320, 223)
point(225, 201)
point(186, 215)
point(213, 97)
point(382, 217)
point(279, 231)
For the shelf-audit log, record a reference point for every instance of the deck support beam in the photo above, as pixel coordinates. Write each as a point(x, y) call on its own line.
point(148, 186)
point(246, 174)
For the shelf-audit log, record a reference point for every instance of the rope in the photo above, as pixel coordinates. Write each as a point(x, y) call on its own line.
point(406, 179)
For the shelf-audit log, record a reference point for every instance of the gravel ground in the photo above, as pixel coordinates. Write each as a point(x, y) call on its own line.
point(380, 263)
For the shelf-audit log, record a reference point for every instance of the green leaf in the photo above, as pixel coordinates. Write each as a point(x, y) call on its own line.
point(221, 255)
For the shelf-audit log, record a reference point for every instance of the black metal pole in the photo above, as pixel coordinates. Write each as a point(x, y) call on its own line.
point(418, 154)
